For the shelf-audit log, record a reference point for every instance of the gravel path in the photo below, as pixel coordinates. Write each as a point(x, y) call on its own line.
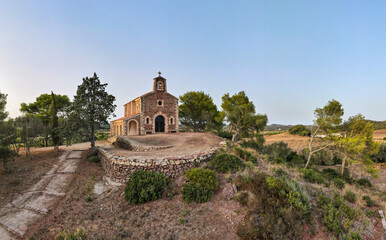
point(33, 204)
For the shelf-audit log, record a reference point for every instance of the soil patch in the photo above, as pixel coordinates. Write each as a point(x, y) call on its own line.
point(26, 173)
point(106, 214)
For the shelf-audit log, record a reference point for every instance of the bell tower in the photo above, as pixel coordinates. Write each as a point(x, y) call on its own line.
point(159, 83)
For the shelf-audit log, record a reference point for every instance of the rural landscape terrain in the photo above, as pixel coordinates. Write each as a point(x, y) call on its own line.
point(209, 181)
point(192, 120)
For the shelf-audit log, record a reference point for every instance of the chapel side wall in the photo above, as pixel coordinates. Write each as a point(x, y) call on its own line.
point(168, 109)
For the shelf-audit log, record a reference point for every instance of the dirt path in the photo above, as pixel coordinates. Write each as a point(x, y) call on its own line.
point(33, 204)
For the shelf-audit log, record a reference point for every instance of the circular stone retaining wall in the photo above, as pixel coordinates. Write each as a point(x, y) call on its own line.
point(119, 168)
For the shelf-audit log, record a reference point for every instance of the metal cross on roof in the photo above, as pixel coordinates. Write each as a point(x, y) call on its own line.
point(159, 73)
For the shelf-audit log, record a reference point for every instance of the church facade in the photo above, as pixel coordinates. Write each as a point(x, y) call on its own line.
point(153, 112)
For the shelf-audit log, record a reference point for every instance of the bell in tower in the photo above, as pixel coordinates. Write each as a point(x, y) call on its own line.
point(159, 84)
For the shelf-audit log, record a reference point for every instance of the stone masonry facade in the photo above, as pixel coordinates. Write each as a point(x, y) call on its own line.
point(153, 112)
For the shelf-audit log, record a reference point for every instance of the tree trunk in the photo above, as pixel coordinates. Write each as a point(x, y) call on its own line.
point(6, 167)
point(56, 150)
point(93, 140)
point(235, 137)
point(343, 163)
point(308, 159)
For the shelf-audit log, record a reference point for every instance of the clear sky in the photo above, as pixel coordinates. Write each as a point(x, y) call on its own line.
point(289, 56)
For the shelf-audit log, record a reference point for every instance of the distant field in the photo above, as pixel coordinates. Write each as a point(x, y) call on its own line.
point(298, 143)
point(295, 142)
point(379, 135)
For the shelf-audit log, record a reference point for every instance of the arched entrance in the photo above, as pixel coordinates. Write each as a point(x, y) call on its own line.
point(132, 128)
point(159, 124)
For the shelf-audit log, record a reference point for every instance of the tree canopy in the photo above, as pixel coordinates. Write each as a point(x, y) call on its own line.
point(92, 106)
point(241, 115)
point(326, 125)
point(42, 108)
point(198, 112)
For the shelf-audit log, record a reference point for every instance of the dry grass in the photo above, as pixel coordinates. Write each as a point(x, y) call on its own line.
point(296, 142)
point(379, 135)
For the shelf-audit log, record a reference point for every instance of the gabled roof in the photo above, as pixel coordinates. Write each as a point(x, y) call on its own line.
point(144, 95)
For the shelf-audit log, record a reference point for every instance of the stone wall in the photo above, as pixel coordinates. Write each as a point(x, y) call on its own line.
point(130, 144)
point(119, 168)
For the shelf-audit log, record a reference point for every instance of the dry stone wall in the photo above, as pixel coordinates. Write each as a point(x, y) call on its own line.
point(119, 168)
point(130, 144)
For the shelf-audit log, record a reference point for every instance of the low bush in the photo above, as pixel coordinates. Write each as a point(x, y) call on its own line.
point(101, 136)
point(205, 177)
point(339, 183)
point(201, 185)
point(277, 152)
point(313, 176)
point(364, 182)
point(337, 216)
point(277, 207)
point(94, 159)
point(226, 163)
point(78, 234)
point(384, 138)
point(350, 196)
point(368, 200)
point(257, 144)
point(353, 236)
point(300, 130)
point(380, 157)
point(245, 155)
point(196, 192)
point(225, 134)
point(144, 186)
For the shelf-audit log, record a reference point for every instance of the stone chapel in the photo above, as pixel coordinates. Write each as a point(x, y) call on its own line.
point(153, 112)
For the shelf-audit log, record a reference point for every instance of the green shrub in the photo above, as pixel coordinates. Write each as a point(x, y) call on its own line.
point(339, 183)
point(257, 144)
point(350, 196)
point(364, 182)
point(300, 130)
point(384, 138)
point(144, 186)
point(245, 155)
point(225, 134)
point(354, 236)
point(369, 213)
point(313, 176)
point(226, 163)
point(337, 216)
point(201, 185)
point(369, 201)
point(380, 157)
point(330, 174)
point(277, 207)
point(205, 177)
point(78, 234)
point(278, 151)
point(94, 159)
point(196, 192)
point(101, 136)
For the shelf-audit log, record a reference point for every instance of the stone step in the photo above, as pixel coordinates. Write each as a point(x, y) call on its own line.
point(5, 234)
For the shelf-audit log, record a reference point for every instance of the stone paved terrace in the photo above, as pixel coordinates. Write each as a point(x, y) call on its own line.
point(33, 204)
point(179, 144)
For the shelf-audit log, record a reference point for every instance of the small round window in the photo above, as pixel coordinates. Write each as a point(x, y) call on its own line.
point(159, 103)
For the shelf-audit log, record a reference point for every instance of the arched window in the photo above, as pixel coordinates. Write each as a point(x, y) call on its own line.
point(159, 86)
point(147, 120)
point(171, 120)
